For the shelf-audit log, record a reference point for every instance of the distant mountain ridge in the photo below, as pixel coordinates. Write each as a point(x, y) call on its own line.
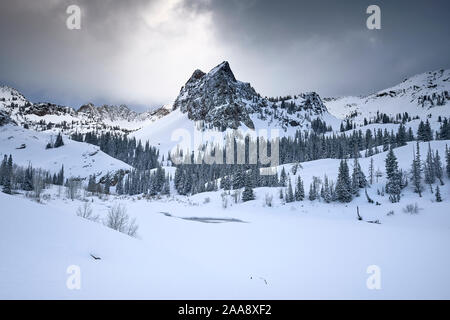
point(420, 95)
point(217, 100)
point(24, 112)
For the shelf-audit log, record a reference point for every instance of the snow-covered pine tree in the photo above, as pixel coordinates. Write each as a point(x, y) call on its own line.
point(28, 179)
point(225, 183)
point(166, 187)
point(394, 184)
point(447, 158)
point(429, 168)
point(119, 185)
point(371, 171)
point(238, 178)
point(126, 185)
point(299, 190)
point(326, 192)
point(7, 178)
point(60, 176)
point(416, 171)
point(59, 141)
point(343, 184)
point(358, 178)
point(437, 164)
point(401, 136)
point(187, 185)
point(386, 140)
point(3, 168)
point(289, 193)
point(247, 194)
point(312, 195)
point(107, 184)
point(438, 195)
point(283, 178)
point(428, 133)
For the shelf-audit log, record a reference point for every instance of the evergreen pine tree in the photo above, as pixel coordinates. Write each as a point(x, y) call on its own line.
point(326, 193)
point(289, 193)
point(119, 186)
point(371, 171)
point(281, 194)
point(438, 195)
point(59, 141)
point(393, 185)
point(28, 179)
point(401, 136)
point(107, 184)
point(283, 178)
point(312, 192)
point(60, 177)
point(358, 178)
point(429, 168)
point(437, 164)
point(3, 167)
point(166, 187)
point(343, 184)
point(299, 190)
point(416, 172)
point(447, 158)
point(7, 183)
point(247, 194)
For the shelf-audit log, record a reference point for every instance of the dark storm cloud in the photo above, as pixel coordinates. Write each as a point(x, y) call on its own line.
point(286, 46)
point(140, 52)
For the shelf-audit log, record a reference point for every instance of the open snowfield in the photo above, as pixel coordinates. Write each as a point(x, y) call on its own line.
point(79, 159)
point(193, 248)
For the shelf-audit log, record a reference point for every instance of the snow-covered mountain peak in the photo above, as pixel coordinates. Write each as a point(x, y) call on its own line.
point(419, 95)
point(217, 98)
point(10, 97)
point(223, 70)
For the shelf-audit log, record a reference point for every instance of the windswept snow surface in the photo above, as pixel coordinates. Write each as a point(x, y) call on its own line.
point(79, 159)
point(309, 250)
point(404, 97)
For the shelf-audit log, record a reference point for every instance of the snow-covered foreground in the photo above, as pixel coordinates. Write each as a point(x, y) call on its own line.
point(302, 250)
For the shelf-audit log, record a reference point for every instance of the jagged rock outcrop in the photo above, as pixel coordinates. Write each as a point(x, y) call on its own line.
point(4, 118)
point(218, 99)
point(222, 102)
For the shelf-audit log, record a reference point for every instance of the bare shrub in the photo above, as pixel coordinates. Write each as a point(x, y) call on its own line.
point(119, 220)
point(206, 200)
point(268, 199)
point(411, 208)
point(72, 188)
point(224, 200)
point(85, 211)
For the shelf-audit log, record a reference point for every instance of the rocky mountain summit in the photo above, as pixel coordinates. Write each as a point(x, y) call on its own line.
point(221, 101)
point(218, 99)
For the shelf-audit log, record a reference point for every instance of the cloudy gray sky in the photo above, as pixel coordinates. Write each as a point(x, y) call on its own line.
point(141, 52)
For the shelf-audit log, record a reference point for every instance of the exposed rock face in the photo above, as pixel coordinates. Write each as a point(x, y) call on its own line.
point(110, 113)
point(43, 109)
point(218, 98)
point(222, 102)
point(4, 118)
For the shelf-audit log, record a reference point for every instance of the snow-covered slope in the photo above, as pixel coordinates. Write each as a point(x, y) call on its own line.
point(79, 159)
point(301, 250)
point(421, 95)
